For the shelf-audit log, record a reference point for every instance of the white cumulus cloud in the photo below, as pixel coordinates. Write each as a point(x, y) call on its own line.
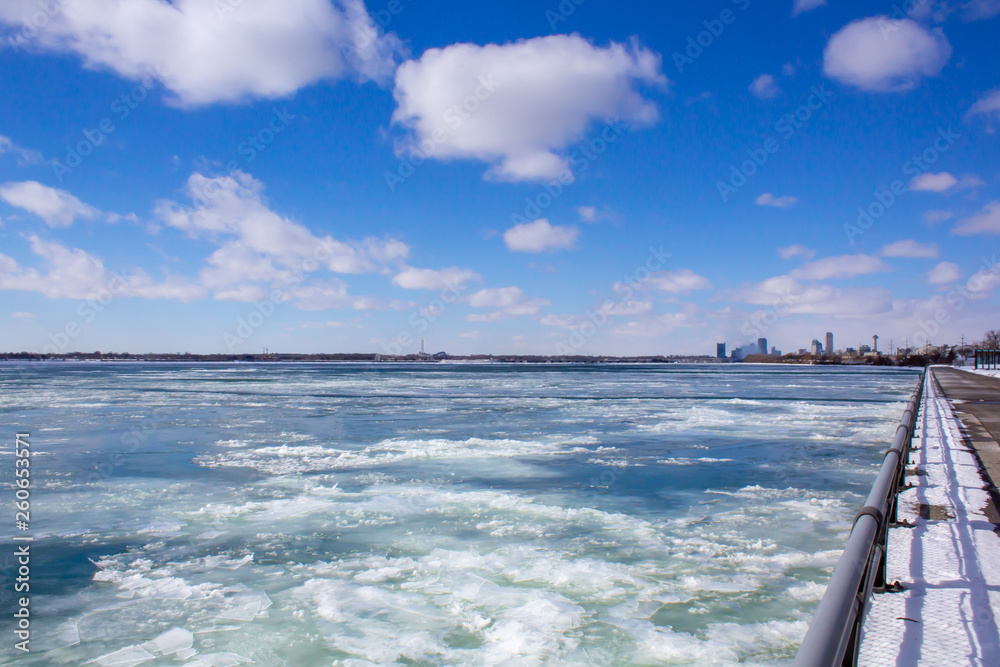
point(234, 267)
point(882, 54)
point(845, 266)
point(72, 273)
point(24, 155)
point(234, 207)
point(987, 105)
point(768, 199)
point(801, 6)
point(332, 294)
point(910, 248)
point(934, 217)
point(986, 221)
point(765, 87)
point(661, 325)
point(945, 272)
point(796, 250)
point(540, 236)
point(560, 321)
point(933, 182)
point(818, 299)
point(681, 281)
point(629, 308)
point(57, 208)
point(517, 105)
point(507, 302)
point(261, 251)
point(588, 213)
point(207, 51)
point(977, 10)
point(411, 278)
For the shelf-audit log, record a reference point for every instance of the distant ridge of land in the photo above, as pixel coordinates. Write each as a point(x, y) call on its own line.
point(372, 356)
point(910, 360)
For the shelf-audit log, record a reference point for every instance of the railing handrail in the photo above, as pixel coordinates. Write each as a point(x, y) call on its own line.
point(833, 635)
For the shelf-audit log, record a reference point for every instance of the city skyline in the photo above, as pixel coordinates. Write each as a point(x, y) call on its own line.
point(827, 346)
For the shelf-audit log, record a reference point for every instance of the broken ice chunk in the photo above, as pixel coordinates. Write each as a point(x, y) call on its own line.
point(68, 634)
point(126, 657)
point(246, 607)
point(173, 640)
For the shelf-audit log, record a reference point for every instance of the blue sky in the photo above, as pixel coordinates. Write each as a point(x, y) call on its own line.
point(579, 178)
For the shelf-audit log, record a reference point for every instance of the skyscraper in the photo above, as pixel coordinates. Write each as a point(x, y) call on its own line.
point(762, 345)
point(720, 350)
point(829, 343)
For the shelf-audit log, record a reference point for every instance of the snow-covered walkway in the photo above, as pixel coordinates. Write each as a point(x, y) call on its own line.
point(949, 562)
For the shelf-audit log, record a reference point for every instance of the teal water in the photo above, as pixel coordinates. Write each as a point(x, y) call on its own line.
point(438, 514)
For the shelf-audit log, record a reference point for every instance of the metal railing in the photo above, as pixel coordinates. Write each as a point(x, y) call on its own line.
point(834, 636)
point(988, 359)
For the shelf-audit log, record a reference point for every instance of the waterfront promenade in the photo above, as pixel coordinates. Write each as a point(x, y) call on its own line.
point(949, 560)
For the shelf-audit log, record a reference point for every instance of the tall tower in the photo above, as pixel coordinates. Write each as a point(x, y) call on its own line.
point(829, 342)
point(762, 345)
point(720, 350)
point(875, 345)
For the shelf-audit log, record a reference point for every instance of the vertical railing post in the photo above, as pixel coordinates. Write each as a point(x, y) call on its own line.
point(880, 558)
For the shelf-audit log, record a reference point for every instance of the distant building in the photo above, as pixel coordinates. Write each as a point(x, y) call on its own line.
point(744, 351)
point(720, 350)
point(775, 352)
point(816, 348)
point(851, 352)
point(865, 349)
point(802, 351)
point(829, 343)
point(761, 346)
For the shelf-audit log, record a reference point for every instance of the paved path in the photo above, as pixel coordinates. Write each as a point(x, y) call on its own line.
point(949, 561)
point(976, 399)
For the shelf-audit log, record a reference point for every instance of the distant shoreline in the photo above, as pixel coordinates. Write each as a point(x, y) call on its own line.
point(427, 358)
point(352, 358)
